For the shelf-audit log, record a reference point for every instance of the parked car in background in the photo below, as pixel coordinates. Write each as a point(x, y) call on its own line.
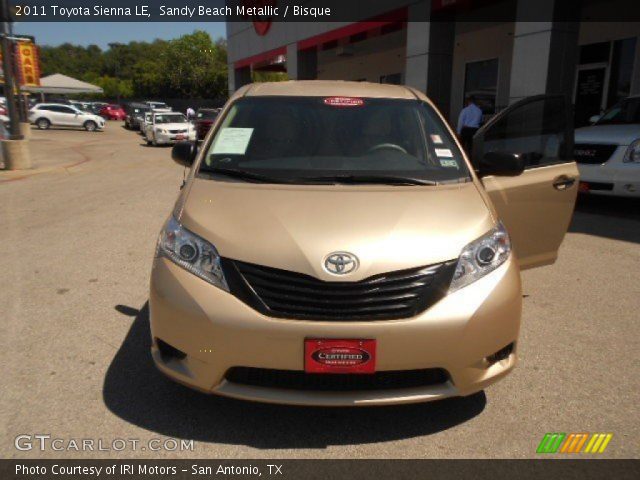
point(113, 112)
point(135, 115)
point(146, 121)
point(4, 115)
point(158, 106)
point(82, 105)
point(204, 119)
point(169, 127)
point(608, 152)
point(45, 115)
point(95, 107)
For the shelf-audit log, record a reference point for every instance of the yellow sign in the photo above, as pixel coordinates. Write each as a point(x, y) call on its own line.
point(28, 64)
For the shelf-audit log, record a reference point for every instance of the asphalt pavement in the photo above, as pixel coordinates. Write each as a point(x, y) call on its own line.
point(77, 240)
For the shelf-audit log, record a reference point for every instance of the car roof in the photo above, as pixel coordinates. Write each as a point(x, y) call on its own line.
point(326, 88)
point(54, 105)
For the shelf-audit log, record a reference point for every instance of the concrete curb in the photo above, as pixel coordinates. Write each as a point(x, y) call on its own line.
point(7, 176)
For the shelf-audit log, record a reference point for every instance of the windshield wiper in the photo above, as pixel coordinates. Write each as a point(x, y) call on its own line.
point(379, 179)
point(243, 175)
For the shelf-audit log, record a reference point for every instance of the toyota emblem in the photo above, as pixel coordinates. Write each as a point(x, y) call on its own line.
point(340, 263)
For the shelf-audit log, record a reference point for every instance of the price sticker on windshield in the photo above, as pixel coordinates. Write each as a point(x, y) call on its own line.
point(232, 141)
point(344, 101)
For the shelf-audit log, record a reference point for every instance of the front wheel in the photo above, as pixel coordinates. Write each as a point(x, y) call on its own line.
point(43, 123)
point(90, 126)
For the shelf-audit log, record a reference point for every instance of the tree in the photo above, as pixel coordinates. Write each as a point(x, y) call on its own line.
point(190, 66)
point(196, 66)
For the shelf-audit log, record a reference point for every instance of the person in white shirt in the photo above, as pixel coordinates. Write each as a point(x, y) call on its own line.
point(468, 123)
point(191, 113)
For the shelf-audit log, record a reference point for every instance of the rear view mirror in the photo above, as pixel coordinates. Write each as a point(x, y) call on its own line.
point(184, 153)
point(501, 164)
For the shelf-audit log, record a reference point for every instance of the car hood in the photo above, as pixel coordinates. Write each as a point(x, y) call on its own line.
point(608, 134)
point(173, 126)
point(295, 227)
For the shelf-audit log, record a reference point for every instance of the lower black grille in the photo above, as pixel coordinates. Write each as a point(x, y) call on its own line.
point(593, 153)
point(285, 294)
point(336, 382)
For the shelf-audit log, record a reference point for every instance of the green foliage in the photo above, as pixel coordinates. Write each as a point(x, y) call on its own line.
point(192, 66)
point(259, 76)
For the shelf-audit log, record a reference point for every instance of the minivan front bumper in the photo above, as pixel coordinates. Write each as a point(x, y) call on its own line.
point(214, 331)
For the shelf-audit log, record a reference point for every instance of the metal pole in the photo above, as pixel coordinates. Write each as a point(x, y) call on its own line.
point(7, 67)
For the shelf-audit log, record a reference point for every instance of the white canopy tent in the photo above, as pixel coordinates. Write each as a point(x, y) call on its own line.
point(61, 84)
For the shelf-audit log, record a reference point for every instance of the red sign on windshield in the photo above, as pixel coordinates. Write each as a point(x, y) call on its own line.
point(344, 101)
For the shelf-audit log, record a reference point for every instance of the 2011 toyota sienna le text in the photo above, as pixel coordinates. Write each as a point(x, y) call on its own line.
point(333, 245)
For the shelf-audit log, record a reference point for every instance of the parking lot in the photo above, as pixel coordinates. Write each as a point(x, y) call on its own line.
point(78, 237)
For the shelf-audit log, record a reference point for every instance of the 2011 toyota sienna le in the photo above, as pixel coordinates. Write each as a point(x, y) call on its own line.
point(333, 245)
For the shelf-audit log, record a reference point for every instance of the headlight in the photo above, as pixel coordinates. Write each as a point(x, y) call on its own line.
point(481, 257)
point(191, 253)
point(161, 130)
point(633, 153)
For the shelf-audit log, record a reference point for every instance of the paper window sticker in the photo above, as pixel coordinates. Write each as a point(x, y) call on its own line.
point(449, 163)
point(436, 138)
point(232, 141)
point(443, 152)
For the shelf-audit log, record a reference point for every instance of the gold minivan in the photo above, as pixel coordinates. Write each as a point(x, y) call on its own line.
point(333, 245)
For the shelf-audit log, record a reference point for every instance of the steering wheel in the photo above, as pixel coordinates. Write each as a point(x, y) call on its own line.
point(388, 146)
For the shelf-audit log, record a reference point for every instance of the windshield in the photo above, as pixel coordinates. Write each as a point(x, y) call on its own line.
point(625, 112)
point(159, 105)
point(324, 140)
point(179, 118)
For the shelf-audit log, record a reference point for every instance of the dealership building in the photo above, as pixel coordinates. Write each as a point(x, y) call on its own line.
point(454, 48)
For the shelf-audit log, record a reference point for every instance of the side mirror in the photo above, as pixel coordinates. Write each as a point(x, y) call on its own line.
point(501, 164)
point(184, 153)
point(594, 118)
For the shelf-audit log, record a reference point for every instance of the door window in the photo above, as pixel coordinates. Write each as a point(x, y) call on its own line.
point(537, 128)
point(589, 93)
point(623, 55)
point(481, 81)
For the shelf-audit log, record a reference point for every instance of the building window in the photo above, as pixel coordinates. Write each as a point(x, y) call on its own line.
point(594, 53)
point(481, 81)
point(623, 54)
point(394, 79)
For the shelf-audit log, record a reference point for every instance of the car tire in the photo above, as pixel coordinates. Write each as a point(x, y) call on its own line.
point(148, 142)
point(90, 126)
point(43, 124)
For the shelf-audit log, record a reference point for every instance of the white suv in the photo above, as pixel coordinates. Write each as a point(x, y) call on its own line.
point(44, 115)
point(608, 152)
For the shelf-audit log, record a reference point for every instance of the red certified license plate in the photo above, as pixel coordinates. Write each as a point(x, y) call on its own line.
point(339, 356)
point(180, 137)
point(583, 187)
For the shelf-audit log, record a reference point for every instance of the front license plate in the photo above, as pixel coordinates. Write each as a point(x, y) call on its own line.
point(180, 137)
point(583, 187)
point(339, 356)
